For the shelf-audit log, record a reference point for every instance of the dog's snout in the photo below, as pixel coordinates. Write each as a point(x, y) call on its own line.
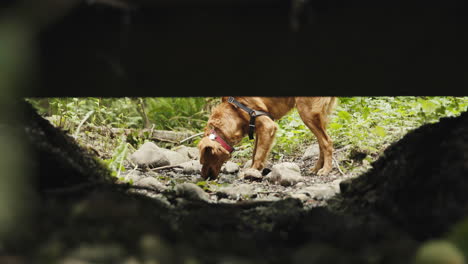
point(209, 173)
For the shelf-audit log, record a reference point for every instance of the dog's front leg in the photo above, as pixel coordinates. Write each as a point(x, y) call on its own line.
point(266, 130)
point(265, 135)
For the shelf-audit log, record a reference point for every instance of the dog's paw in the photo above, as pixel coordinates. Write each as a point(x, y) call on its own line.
point(315, 169)
point(323, 172)
point(250, 174)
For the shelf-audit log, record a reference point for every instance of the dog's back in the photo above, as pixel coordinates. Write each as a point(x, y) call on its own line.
point(280, 106)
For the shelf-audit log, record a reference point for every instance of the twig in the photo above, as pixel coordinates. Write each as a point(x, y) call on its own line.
point(152, 129)
point(269, 192)
point(338, 166)
point(131, 162)
point(82, 122)
point(135, 167)
point(342, 149)
point(164, 139)
point(141, 104)
point(166, 167)
point(196, 135)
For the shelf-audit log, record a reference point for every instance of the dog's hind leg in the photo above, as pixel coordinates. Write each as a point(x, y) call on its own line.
point(314, 113)
point(320, 160)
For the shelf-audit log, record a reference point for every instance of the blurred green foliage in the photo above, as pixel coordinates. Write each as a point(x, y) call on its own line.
point(438, 252)
point(17, 195)
point(458, 235)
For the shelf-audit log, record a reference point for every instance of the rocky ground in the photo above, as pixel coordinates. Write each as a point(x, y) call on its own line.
point(162, 170)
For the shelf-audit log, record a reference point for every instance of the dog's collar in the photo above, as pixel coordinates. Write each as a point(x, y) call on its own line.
point(214, 136)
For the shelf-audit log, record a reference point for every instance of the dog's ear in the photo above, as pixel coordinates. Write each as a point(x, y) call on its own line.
point(206, 152)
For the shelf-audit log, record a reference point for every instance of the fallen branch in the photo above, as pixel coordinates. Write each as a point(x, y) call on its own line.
point(196, 135)
point(166, 167)
point(338, 167)
point(160, 135)
point(82, 122)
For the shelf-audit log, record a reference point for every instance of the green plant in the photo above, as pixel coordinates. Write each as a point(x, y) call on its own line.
point(370, 123)
point(116, 162)
point(177, 113)
point(208, 186)
point(172, 113)
point(69, 112)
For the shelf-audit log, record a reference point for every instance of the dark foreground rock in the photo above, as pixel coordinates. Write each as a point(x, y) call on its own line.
point(420, 183)
point(83, 216)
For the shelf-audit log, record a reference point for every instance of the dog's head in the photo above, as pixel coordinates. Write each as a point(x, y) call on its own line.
point(226, 118)
point(212, 157)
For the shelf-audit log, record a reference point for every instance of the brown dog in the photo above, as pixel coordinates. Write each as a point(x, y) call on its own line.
point(229, 123)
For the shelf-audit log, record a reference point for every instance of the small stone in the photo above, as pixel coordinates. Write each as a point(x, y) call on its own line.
point(336, 185)
point(320, 191)
point(234, 192)
point(268, 198)
point(230, 168)
point(149, 155)
point(225, 200)
point(286, 174)
point(191, 191)
point(227, 178)
point(191, 167)
point(311, 152)
point(300, 196)
point(290, 179)
point(250, 174)
point(189, 152)
point(152, 183)
point(174, 157)
point(300, 184)
point(248, 164)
